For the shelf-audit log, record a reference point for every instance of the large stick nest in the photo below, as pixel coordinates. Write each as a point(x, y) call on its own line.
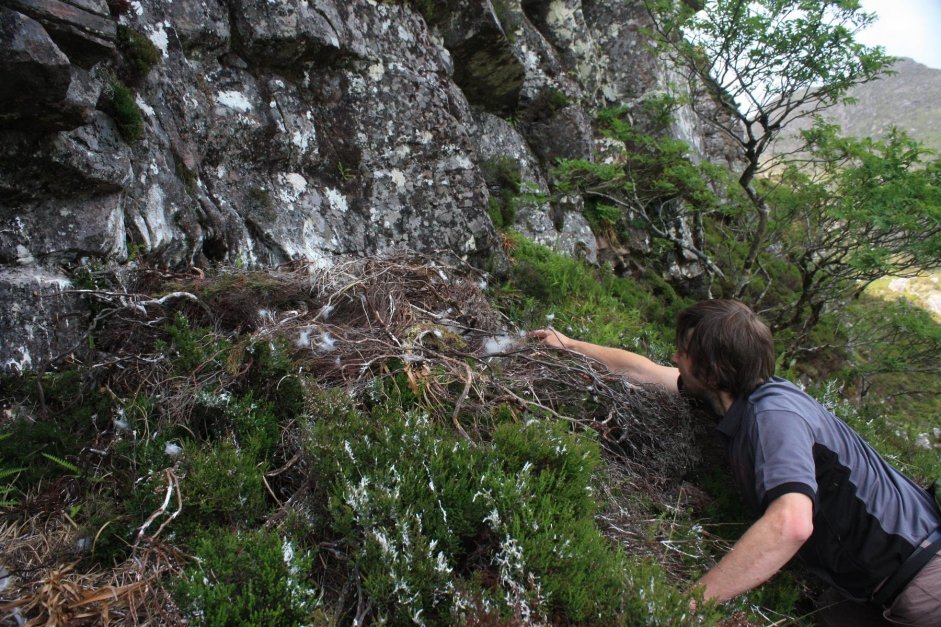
point(353, 322)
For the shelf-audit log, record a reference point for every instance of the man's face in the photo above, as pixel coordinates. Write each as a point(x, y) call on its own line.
point(690, 384)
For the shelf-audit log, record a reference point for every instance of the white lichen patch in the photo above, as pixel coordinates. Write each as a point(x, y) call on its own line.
point(405, 34)
point(376, 71)
point(305, 137)
point(21, 364)
point(23, 256)
point(398, 177)
point(234, 100)
point(152, 222)
point(291, 186)
point(337, 200)
point(158, 36)
point(143, 106)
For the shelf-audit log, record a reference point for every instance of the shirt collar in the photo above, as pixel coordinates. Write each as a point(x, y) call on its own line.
point(732, 420)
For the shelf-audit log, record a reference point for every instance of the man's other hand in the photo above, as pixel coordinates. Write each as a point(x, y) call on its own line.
point(551, 337)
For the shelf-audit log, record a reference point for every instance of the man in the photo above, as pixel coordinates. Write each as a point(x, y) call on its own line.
point(825, 495)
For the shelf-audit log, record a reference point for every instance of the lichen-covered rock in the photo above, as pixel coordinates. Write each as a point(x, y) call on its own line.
point(201, 27)
point(289, 32)
point(272, 131)
point(630, 71)
point(485, 64)
point(564, 134)
point(40, 318)
point(562, 23)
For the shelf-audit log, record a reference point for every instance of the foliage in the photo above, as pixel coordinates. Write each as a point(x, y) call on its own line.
point(647, 183)
point(6, 483)
point(504, 179)
point(592, 304)
point(138, 53)
point(548, 102)
point(765, 63)
point(865, 210)
point(422, 495)
point(441, 530)
point(252, 578)
point(47, 447)
point(194, 349)
point(125, 112)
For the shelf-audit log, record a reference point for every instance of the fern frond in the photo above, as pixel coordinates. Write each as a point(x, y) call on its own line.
point(63, 463)
point(9, 472)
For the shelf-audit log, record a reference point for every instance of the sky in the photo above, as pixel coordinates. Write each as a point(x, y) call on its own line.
point(906, 28)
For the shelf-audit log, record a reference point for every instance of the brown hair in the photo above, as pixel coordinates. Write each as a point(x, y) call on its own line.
point(730, 347)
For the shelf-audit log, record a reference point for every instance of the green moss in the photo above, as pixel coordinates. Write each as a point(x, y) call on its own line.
point(503, 175)
point(126, 113)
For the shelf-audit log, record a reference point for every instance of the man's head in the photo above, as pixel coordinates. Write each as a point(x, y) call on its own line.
point(725, 346)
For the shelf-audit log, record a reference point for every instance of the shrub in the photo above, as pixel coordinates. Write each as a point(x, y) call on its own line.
point(139, 54)
point(125, 112)
point(436, 525)
point(252, 578)
point(223, 486)
point(588, 303)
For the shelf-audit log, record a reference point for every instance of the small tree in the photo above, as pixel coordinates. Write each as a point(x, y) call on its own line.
point(764, 64)
point(865, 209)
point(650, 182)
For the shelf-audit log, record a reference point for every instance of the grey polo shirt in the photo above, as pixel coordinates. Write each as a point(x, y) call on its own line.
point(868, 517)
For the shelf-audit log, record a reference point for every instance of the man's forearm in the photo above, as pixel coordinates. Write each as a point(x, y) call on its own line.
point(764, 549)
point(635, 367)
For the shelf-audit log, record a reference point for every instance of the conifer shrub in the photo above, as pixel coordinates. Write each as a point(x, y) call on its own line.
point(123, 108)
point(441, 529)
point(224, 486)
point(193, 348)
point(253, 578)
point(274, 377)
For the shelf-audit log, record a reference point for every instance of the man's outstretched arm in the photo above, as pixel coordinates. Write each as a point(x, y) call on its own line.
point(634, 367)
point(764, 549)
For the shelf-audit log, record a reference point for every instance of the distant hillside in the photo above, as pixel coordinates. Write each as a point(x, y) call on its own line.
point(909, 99)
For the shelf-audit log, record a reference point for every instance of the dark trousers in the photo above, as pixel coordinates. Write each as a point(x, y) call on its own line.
point(919, 604)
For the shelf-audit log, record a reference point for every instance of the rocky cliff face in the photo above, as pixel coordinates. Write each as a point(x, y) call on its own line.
point(271, 131)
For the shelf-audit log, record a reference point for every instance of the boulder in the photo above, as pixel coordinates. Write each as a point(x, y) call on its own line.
point(40, 318)
point(34, 73)
point(83, 29)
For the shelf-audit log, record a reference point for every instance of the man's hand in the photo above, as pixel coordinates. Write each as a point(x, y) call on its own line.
point(551, 337)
